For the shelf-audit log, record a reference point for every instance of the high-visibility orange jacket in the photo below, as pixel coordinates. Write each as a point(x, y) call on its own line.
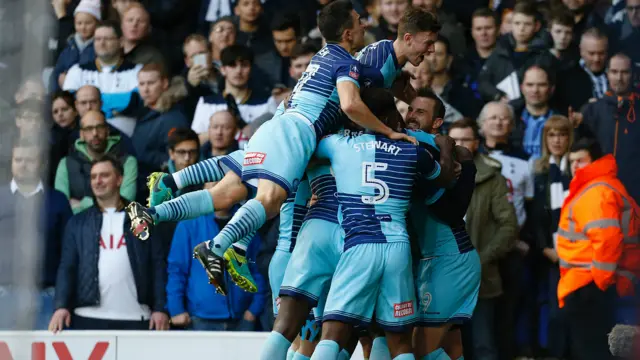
point(597, 239)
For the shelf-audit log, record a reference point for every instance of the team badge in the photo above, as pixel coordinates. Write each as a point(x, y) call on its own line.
point(354, 72)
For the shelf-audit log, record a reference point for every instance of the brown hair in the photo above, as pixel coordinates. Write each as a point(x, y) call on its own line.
point(466, 123)
point(415, 20)
point(555, 122)
point(193, 37)
point(156, 67)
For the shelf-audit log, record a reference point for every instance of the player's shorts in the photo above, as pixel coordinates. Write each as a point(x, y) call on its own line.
point(374, 277)
point(280, 151)
point(313, 262)
point(277, 268)
point(447, 288)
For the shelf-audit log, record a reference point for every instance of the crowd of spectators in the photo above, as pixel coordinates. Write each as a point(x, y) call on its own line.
point(133, 87)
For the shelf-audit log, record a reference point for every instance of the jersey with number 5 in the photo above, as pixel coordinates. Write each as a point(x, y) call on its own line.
point(315, 96)
point(374, 177)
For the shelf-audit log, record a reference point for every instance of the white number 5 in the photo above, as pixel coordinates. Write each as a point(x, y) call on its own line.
point(369, 180)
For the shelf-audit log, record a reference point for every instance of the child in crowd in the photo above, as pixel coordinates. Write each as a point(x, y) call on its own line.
point(80, 45)
point(561, 29)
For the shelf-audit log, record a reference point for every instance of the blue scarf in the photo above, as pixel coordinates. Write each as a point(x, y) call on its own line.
point(532, 141)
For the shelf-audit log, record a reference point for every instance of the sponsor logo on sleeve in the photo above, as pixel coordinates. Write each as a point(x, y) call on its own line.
point(403, 309)
point(254, 158)
point(354, 72)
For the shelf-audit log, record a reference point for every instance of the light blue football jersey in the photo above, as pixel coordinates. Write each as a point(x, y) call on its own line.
point(315, 96)
point(323, 185)
point(374, 178)
point(381, 55)
point(435, 237)
point(292, 215)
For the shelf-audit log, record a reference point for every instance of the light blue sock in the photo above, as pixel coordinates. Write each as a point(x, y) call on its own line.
point(344, 355)
point(438, 354)
point(326, 350)
point(380, 349)
point(187, 206)
point(248, 219)
point(299, 356)
point(290, 354)
point(199, 173)
point(241, 245)
point(405, 357)
point(275, 347)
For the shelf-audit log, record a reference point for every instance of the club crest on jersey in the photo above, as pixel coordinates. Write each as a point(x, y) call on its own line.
point(354, 72)
point(403, 309)
point(425, 302)
point(254, 158)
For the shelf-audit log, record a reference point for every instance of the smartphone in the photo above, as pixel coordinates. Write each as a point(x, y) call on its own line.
point(200, 59)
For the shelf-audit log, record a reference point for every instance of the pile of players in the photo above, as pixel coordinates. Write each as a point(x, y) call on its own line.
point(338, 165)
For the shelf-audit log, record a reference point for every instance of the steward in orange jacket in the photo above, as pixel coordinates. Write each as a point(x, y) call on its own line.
point(597, 237)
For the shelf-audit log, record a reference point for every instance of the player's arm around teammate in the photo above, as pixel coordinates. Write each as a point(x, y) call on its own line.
point(352, 105)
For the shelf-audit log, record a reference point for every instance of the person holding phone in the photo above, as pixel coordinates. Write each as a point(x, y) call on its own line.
point(201, 77)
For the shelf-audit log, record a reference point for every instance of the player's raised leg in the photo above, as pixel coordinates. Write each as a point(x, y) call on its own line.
point(163, 186)
point(228, 192)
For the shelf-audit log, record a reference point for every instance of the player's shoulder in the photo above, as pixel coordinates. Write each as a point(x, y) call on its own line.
point(377, 46)
point(332, 52)
point(422, 136)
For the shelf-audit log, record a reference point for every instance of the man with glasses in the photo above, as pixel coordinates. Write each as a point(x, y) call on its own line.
point(73, 173)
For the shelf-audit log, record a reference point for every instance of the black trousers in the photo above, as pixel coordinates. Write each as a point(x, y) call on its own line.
point(85, 323)
point(590, 316)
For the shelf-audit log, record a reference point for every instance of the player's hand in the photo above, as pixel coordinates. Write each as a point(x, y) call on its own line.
point(74, 203)
point(403, 137)
point(313, 200)
point(457, 169)
point(181, 320)
point(445, 143)
point(60, 319)
point(159, 321)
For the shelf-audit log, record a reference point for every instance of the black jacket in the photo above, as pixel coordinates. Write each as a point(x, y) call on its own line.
point(573, 88)
point(502, 63)
point(541, 213)
point(77, 281)
point(613, 122)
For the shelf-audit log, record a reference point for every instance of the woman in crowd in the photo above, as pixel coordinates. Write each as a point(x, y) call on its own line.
point(64, 131)
point(552, 178)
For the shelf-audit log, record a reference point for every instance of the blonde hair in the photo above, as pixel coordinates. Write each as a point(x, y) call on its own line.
point(555, 122)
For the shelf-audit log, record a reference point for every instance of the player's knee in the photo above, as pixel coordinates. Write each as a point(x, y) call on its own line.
point(336, 331)
point(271, 196)
point(291, 317)
point(400, 343)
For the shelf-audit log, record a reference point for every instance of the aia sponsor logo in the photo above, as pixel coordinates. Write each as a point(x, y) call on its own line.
point(403, 309)
point(254, 158)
